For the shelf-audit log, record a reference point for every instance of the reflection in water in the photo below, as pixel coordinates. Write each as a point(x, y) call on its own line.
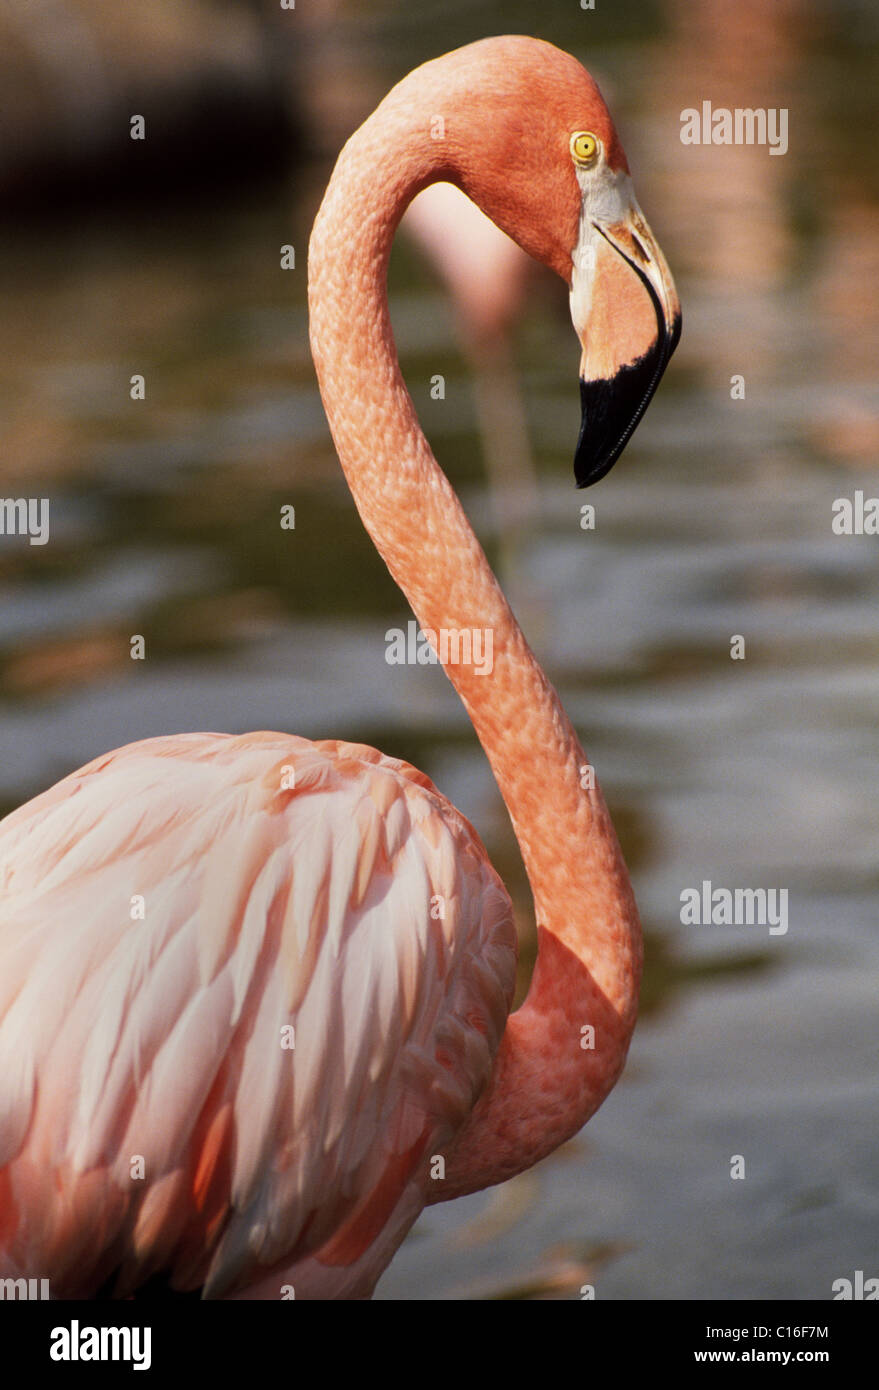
point(716, 521)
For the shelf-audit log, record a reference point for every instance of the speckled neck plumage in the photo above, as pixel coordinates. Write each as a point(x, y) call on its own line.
point(545, 1085)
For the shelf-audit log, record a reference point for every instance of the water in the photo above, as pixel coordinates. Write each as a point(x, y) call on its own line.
point(754, 773)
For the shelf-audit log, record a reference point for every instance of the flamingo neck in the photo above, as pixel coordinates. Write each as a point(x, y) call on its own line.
point(547, 1078)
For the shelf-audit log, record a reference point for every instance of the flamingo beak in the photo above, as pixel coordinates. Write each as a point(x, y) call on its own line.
point(628, 318)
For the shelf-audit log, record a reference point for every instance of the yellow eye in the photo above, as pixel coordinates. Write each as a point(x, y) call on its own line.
point(584, 148)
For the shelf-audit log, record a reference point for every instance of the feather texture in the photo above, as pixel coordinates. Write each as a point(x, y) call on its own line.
point(145, 1088)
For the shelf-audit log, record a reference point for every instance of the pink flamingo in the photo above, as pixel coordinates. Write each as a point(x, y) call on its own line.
point(486, 275)
point(254, 990)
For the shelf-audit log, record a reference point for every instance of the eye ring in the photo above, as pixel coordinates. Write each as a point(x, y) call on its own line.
point(585, 148)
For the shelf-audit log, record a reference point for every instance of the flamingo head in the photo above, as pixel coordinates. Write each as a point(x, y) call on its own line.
point(624, 306)
point(537, 150)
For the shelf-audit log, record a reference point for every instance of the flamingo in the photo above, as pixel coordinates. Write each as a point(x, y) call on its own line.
point(486, 274)
point(254, 990)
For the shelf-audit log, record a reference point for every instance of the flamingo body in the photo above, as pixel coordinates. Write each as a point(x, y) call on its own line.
point(162, 1036)
point(254, 990)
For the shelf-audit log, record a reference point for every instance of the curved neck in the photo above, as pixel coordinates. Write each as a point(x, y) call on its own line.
point(544, 1084)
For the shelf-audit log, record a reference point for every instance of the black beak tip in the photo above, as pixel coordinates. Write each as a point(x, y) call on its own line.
point(592, 463)
point(611, 409)
point(674, 336)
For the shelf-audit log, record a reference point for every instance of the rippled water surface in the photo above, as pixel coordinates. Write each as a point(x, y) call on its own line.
point(717, 521)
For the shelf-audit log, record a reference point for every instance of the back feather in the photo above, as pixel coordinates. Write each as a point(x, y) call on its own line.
point(154, 1115)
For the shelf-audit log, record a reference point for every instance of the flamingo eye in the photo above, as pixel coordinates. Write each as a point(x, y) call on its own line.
point(584, 148)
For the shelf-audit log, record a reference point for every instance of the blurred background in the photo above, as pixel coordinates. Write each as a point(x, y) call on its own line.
point(163, 258)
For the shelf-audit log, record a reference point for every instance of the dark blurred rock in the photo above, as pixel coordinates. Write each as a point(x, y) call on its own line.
point(208, 77)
